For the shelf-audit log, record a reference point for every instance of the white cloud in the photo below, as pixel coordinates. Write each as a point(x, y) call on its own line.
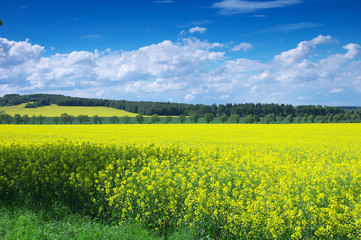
point(189, 69)
point(336, 90)
point(302, 52)
point(353, 50)
point(197, 30)
point(242, 46)
point(260, 77)
point(189, 97)
point(16, 53)
point(162, 60)
point(229, 7)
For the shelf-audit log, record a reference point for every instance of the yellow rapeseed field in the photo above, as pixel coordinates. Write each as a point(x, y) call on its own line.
point(56, 111)
point(231, 181)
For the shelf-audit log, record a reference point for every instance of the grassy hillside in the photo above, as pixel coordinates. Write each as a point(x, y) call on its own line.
point(55, 111)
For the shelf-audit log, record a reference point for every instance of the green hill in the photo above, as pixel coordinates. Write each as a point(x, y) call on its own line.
point(167, 108)
point(55, 111)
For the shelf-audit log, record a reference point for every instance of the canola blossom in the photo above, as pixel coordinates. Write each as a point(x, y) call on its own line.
point(298, 181)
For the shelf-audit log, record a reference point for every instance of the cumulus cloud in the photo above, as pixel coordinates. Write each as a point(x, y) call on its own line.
point(163, 67)
point(197, 30)
point(229, 7)
point(302, 52)
point(162, 60)
point(17, 53)
point(186, 70)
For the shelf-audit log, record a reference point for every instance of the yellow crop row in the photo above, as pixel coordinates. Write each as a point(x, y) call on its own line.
point(225, 181)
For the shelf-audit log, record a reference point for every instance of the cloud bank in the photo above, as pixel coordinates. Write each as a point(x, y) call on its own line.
point(189, 70)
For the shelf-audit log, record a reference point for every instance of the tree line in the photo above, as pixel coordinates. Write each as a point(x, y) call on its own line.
point(271, 118)
point(175, 109)
point(17, 118)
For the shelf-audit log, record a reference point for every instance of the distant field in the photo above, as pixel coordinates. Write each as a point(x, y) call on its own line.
point(55, 111)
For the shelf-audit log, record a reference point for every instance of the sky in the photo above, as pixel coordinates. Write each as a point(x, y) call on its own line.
point(187, 51)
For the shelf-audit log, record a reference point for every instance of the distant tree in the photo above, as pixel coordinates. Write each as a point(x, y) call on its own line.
point(358, 112)
point(41, 118)
point(71, 119)
point(18, 118)
point(330, 117)
point(26, 119)
point(299, 119)
point(2, 116)
point(1, 22)
point(235, 118)
point(182, 118)
point(290, 118)
point(320, 119)
point(347, 116)
point(280, 119)
point(83, 118)
point(354, 118)
point(208, 117)
point(33, 119)
point(305, 117)
point(257, 119)
point(8, 118)
point(270, 118)
point(338, 117)
point(194, 118)
point(114, 119)
point(100, 119)
point(154, 118)
point(168, 119)
point(126, 119)
point(86, 119)
point(56, 120)
point(64, 117)
point(312, 118)
point(97, 119)
point(139, 118)
point(249, 118)
point(223, 118)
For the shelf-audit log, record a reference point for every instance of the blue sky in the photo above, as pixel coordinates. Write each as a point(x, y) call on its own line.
point(214, 51)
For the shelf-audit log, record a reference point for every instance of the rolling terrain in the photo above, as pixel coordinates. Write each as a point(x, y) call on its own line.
point(55, 111)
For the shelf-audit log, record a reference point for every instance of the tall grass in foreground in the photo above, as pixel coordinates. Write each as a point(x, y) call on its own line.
point(58, 222)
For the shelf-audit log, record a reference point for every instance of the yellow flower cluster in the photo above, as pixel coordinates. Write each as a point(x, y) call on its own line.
point(225, 181)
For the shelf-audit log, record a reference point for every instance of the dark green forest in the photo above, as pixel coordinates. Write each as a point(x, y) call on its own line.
point(174, 109)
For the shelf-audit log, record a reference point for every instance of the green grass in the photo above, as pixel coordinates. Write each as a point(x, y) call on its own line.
point(24, 222)
point(55, 111)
